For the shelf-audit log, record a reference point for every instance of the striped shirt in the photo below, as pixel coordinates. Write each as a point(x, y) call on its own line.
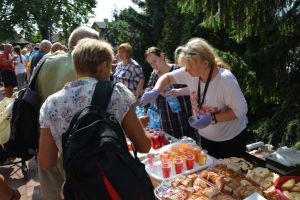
point(175, 124)
point(129, 74)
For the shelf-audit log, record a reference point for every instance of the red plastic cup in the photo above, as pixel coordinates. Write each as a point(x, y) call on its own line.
point(150, 157)
point(166, 170)
point(178, 166)
point(189, 161)
point(155, 141)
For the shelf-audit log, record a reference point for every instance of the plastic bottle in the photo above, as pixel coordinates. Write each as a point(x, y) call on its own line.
point(173, 102)
point(139, 111)
point(154, 117)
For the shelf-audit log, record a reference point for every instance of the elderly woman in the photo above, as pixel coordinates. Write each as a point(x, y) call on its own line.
point(92, 59)
point(128, 71)
point(218, 104)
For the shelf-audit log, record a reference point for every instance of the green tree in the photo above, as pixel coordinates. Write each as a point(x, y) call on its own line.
point(7, 29)
point(49, 16)
point(268, 33)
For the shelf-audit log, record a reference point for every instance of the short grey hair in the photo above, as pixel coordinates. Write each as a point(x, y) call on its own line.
point(45, 44)
point(80, 33)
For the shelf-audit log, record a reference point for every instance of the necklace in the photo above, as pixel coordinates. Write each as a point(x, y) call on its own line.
point(200, 103)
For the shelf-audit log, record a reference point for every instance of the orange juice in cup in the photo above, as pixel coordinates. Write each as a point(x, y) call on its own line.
point(165, 157)
point(197, 153)
point(183, 147)
point(174, 149)
point(173, 156)
point(203, 157)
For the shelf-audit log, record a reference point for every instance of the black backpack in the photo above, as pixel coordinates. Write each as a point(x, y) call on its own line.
point(96, 159)
point(24, 137)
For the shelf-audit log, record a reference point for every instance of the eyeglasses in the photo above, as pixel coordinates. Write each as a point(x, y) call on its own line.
point(187, 51)
point(190, 52)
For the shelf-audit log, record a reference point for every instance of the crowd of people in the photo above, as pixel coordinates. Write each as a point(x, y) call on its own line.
point(17, 65)
point(212, 105)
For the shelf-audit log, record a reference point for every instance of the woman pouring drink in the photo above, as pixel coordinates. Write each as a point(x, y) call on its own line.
point(218, 104)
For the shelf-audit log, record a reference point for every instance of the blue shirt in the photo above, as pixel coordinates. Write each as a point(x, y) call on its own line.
point(36, 57)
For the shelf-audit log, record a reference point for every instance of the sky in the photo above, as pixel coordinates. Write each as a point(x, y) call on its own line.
point(105, 8)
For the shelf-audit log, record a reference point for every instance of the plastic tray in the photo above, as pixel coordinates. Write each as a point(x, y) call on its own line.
point(155, 172)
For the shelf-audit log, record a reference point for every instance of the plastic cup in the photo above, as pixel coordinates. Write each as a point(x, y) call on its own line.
point(155, 141)
point(192, 119)
point(166, 169)
point(178, 165)
point(197, 153)
point(165, 157)
point(203, 157)
point(150, 157)
point(189, 161)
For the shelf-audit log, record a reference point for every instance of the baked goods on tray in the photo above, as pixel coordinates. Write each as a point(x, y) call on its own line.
point(223, 182)
point(192, 187)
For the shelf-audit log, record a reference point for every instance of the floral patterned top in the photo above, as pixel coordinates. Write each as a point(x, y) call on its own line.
point(57, 111)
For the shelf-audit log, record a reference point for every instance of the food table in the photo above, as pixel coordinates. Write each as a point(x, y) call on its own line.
point(229, 178)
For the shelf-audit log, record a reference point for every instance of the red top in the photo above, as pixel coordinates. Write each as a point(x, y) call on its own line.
point(6, 67)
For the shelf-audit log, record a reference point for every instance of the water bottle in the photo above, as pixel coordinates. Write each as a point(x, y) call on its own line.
point(139, 111)
point(173, 102)
point(154, 117)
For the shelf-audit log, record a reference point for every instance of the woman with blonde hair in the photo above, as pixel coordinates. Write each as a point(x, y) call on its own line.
point(218, 104)
point(92, 59)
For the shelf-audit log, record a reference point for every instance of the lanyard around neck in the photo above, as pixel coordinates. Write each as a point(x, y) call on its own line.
point(205, 89)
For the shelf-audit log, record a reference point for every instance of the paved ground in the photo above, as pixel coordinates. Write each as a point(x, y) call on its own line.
point(30, 187)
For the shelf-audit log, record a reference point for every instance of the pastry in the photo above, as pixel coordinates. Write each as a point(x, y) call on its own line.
point(296, 195)
point(261, 172)
point(288, 194)
point(223, 197)
point(210, 192)
point(295, 189)
point(288, 184)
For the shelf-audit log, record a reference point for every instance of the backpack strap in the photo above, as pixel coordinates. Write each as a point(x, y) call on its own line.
point(102, 94)
point(36, 72)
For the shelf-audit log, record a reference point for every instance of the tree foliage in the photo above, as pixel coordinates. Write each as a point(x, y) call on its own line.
point(47, 16)
point(269, 32)
point(5, 20)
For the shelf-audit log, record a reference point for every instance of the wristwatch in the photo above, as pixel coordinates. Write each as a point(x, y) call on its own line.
point(213, 119)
